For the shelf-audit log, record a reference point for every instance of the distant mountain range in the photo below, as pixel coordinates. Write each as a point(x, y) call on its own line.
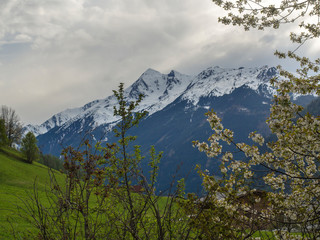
point(176, 104)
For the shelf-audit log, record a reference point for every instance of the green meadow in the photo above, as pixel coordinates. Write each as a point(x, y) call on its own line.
point(17, 181)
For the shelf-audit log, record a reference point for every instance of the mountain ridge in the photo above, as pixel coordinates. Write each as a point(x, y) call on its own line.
point(162, 89)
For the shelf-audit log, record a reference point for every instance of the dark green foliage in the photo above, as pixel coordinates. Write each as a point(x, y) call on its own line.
point(29, 147)
point(51, 161)
point(313, 108)
point(3, 135)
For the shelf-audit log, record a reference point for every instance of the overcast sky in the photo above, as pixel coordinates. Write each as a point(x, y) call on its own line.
point(59, 54)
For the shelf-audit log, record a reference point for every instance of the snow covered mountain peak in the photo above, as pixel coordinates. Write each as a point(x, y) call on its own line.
point(56, 120)
point(152, 82)
point(159, 91)
point(217, 81)
point(266, 73)
point(210, 71)
point(150, 71)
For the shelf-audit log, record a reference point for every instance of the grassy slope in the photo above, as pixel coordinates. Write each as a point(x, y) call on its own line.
point(17, 179)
